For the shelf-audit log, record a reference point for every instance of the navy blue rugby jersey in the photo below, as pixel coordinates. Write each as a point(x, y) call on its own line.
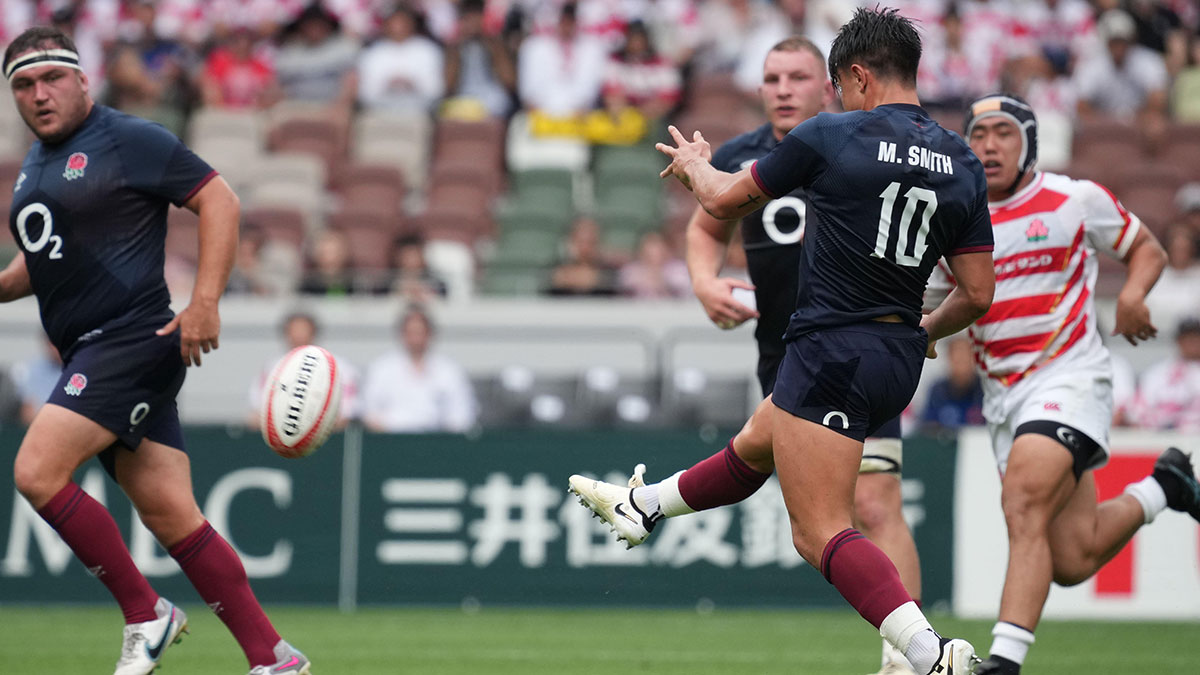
point(90, 214)
point(889, 193)
point(771, 237)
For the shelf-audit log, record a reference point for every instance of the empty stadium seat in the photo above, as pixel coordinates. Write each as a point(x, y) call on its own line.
point(534, 248)
point(525, 151)
point(452, 222)
point(243, 126)
point(399, 139)
point(279, 223)
point(507, 280)
point(183, 234)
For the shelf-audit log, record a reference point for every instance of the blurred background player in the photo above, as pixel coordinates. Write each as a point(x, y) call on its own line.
point(1047, 385)
point(89, 213)
point(856, 342)
point(794, 88)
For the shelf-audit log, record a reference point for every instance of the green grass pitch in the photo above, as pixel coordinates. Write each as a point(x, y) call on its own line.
point(577, 641)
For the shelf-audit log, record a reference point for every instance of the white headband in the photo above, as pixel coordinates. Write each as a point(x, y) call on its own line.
point(45, 57)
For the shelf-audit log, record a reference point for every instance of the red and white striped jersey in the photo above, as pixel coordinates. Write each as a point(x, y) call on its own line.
point(1046, 237)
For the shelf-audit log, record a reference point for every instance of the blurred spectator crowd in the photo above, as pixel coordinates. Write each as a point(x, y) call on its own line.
point(446, 148)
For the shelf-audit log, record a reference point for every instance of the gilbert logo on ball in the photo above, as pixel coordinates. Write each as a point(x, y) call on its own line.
point(302, 401)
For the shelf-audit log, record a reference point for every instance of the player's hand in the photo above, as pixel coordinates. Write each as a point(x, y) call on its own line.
point(1133, 320)
point(199, 325)
point(683, 154)
point(931, 350)
point(716, 295)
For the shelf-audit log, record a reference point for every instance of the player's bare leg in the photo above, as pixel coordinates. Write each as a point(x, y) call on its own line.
point(57, 443)
point(1086, 535)
point(879, 514)
point(1037, 486)
point(1081, 537)
point(817, 470)
point(158, 480)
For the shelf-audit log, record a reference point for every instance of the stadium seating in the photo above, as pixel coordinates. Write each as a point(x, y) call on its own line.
point(279, 223)
point(183, 234)
point(512, 280)
point(479, 142)
point(370, 236)
point(526, 246)
point(525, 151)
point(243, 126)
point(399, 139)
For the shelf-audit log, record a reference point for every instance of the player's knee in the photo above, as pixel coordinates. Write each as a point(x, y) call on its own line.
point(171, 526)
point(34, 481)
point(1074, 568)
point(808, 546)
point(1025, 510)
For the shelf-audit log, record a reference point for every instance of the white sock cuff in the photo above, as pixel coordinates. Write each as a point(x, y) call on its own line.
point(1011, 641)
point(902, 624)
point(1012, 630)
point(1150, 495)
point(670, 502)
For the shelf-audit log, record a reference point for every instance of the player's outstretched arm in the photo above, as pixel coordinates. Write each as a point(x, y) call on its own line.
point(971, 298)
point(1145, 260)
point(199, 323)
point(707, 244)
point(725, 196)
point(14, 280)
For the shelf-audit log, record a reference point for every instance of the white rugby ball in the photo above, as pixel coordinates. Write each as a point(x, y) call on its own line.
point(302, 401)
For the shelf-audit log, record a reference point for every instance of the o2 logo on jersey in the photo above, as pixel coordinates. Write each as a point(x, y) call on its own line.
point(772, 208)
point(46, 237)
point(76, 163)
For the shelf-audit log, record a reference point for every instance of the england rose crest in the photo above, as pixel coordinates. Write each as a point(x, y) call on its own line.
point(76, 163)
point(76, 384)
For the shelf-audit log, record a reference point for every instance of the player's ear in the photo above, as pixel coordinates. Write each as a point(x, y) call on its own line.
point(860, 77)
point(828, 94)
point(84, 83)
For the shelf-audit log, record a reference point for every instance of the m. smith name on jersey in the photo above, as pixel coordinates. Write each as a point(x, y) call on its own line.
point(917, 156)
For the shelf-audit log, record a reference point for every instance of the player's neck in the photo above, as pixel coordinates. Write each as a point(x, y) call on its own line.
point(886, 93)
point(1004, 195)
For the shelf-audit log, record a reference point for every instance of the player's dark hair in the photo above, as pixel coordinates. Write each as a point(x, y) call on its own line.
point(798, 43)
point(35, 37)
point(880, 40)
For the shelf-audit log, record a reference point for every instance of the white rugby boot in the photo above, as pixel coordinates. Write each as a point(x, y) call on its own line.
point(614, 505)
point(288, 661)
point(894, 662)
point(957, 658)
point(146, 642)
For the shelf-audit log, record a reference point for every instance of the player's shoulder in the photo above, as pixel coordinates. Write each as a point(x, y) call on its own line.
point(1083, 189)
point(123, 125)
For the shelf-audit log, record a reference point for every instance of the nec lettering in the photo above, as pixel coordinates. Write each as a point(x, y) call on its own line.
point(46, 237)
point(905, 238)
point(768, 219)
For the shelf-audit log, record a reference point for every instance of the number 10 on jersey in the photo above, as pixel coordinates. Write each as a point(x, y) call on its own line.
point(904, 237)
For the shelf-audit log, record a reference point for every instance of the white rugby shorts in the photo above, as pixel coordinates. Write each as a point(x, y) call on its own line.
point(1080, 399)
